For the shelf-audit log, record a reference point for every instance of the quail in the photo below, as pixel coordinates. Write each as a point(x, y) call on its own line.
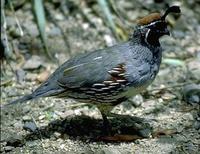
point(111, 75)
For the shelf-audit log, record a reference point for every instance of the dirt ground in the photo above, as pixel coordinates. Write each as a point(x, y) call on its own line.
point(163, 119)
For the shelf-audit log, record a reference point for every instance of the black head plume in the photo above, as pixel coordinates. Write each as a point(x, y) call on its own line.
point(172, 9)
point(158, 16)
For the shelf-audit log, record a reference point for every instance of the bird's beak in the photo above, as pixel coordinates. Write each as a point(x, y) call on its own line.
point(166, 32)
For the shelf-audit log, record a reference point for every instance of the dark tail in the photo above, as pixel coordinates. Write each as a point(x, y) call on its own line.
point(20, 100)
point(43, 91)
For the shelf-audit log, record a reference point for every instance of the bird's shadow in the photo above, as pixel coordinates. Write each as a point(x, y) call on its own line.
point(123, 128)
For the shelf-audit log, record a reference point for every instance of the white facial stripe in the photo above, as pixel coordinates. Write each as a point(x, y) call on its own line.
point(146, 36)
point(150, 24)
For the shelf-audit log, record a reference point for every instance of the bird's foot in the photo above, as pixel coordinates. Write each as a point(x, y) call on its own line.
point(107, 128)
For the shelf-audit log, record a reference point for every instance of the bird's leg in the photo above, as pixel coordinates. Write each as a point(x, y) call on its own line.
point(105, 109)
point(107, 128)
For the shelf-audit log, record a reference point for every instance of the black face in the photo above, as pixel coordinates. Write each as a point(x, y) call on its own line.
point(159, 28)
point(153, 31)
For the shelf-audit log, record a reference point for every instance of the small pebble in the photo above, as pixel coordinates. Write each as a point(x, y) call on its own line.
point(30, 126)
point(57, 134)
point(15, 140)
point(26, 118)
point(18, 124)
point(41, 117)
point(136, 100)
point(31, 144)
point(33, 63)
point(8, 148)
point(168, 96)
point(26, 109)
point(43, 76)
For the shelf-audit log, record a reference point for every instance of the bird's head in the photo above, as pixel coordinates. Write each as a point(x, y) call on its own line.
point(154, 25)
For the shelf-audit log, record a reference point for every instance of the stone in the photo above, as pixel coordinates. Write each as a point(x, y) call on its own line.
point(30, 126)
point(26, 118)
point(136, 100)
point(33, 63)
point(15, 140)
point(8, 148)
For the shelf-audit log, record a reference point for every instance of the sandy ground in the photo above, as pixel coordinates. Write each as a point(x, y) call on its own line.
point(158, 121)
